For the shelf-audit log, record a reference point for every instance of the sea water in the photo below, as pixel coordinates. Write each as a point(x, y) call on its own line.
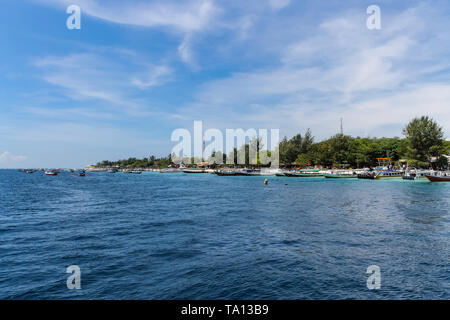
point(202, 236)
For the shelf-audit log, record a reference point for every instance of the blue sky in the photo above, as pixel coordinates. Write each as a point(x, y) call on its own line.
point(137, 70)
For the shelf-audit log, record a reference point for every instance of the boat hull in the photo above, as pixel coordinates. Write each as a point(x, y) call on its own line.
point(302, 175)
point(368, 176)
point(226, 173)
point(193, 171)
point(331, 176)
point(438, 178)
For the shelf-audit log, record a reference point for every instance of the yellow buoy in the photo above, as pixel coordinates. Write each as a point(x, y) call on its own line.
point(266, 181)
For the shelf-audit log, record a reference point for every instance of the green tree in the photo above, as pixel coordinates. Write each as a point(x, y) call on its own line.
point(442, 162)
point(425, 138)
point(302, 160)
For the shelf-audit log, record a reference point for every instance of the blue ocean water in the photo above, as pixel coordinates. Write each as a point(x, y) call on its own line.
point(201, 236)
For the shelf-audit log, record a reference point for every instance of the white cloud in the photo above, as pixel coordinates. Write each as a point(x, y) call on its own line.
point(185, 16)
point(376, 81)
point(279, 4)
point(108, 80)
point(155, 75)
point(185, 51)
point(9, 158)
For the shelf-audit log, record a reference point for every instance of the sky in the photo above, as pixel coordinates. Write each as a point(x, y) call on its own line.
point(137, 70)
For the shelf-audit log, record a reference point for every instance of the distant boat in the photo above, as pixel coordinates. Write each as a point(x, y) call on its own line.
point(341, 174)
point(226, 172)
point(390, 174)
point(170, 170)
point(194, 170)
point(410, 175)
point(248, 172)
point(371, 175)
point(136, 172)
point(303, 174)
point(51, 173)
point(439, 177)
point(82, 173)
point(282, 172)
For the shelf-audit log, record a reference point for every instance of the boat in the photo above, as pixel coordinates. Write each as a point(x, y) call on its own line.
point(415, 174)
point(170, 170)
point(303, 174)
point(248, 172)
point(410, 175)
point(51, 173)
point(341, 174)
point(282, 172)
point(370, 175)
point(136, 171)
point(194, 170)
point(226, 172)
point(390, 174)
point(439, 177)
point(269, 171)
point(82, 173)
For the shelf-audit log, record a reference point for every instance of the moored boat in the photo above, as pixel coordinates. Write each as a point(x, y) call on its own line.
point(194, 170)
point(341, 174)
point(370, 175)
point(390, 174)
point(303, 174)
point(248, 172)
point(169, 170)
point(51, 173)
point(226, 172)
point(439, 177)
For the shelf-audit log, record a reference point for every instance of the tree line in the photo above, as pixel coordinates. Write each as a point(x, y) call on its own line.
point(423, 139)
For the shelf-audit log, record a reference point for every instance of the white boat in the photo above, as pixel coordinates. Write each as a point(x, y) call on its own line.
point(415, 174)
point(170, 170)
point(391, 174)
point(304, 173)
point(341, 174)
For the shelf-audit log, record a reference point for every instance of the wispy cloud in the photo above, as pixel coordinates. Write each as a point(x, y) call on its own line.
point(372, 79)
point(279, 4)
point(88, 77)
point(9, 158)
point(154, 76)
point(185, 16)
